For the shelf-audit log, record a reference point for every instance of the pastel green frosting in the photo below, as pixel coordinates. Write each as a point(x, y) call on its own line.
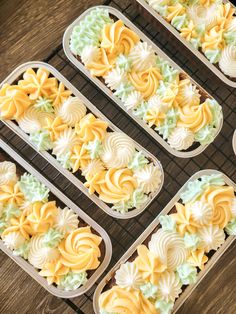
point(169, 123)
point(102, 311)
point(196, 42)
point(124, 90)
point(167, 223)
point(200, 29)
point(44, 104)
point(33, 189)
point(169, 74)
point(149, 290)
point(191, 241)
point(123, 62)
point(138, 161)
point(161, 9)
point(179, 21)
point(23, 250)
point(193, 190)
point(137, 199)
point(88, 31)
point(205, 135)
point(216, 111)
point(72, 281)
point(213, 55)
point(94, 148)
point(52, 238)
point(10, 211)
point(141, 110)
point(122, 207)
point(187, 273)
point(231, 227)
point(3, 225)
point(41, 140)
point(65, 161)
point(230, 38)
point(213, 179)
point(164, 307)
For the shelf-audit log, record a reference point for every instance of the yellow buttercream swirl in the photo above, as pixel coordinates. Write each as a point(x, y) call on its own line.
point(146, 82)
point(38, 83)
point(59, 95)
point(174, 10)
point(91, 128)
point(220, 199)
point(79, 157)
point(118, 300)
point(55, 127)
point(225, 15)
point(149, 265)
point(42, 216)
point(198, 258)
point(80, 250)
point(117, 38)
point(54, 271)
point(154, 116)
point(189, 31)
point(11, 194)
point(13, 102)
point(194, 117)
point(101, 66)
point(213, 39)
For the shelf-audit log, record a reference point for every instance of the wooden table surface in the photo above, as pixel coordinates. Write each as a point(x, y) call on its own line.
point(30, 30)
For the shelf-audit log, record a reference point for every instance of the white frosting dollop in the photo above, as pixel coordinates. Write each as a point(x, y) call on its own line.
point(148, 177)
point(93, 167)
point(7, 172)
point(233, 208)
point(39, 254)
point(90, 54)
point(65, 142)
point(181, 138)
point(66, 220)
point(169, 286)
point(142, 56)
point(118, 150)
point(227, 61)
point(188, 94)
point(72, 111)
point(170, 248)
point(201, 212)
point(231, 27)
point(115, 77)
point(127, 276)
point(156, 3)
point(156, 102)
point(212, 237)
point(13, 240)
point(202, 15)
point(133, 100)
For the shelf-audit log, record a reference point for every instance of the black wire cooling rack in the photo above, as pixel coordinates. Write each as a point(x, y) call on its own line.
point(219, 155)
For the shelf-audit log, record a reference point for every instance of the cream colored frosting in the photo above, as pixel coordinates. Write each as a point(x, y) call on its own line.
point(65, 142)
point(181, 138)
point(118, 150)
point(203, 15)
point(158, 103)
point(54, 271)
point(188, 94)
point(212, 237)
point(29, 120)
point(142, 56)
point(7, 173)
point(39, 254)
point(227, 61)
point(169, 286)
point(90, 54)
point(133, 100)
point(115, 77)
point(127, 276)
point(202, 213)
point(72, 111)
point(13, 240)
point(169, 247)
point(66, 220)
point(233, 207)
point(93, 167)
point(148, 177)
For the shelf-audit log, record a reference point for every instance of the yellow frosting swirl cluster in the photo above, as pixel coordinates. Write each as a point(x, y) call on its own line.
point(58, 121)
point(49, 237)
point(209, 26)
point(159, 269)
point(146, 84)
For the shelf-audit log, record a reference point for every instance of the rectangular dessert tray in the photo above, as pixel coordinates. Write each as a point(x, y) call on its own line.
point(27, 267)
point(49, 157)
point(153, 16)
point(151, 228)
point(114, 12)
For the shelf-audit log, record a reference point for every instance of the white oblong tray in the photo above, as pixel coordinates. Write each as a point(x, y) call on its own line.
point(212, 261)
point(49, 157)
point(108, 92)
point(27, 266)
point(143, 4)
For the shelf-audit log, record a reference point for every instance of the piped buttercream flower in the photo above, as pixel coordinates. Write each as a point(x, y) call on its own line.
point(59, 95)
point(65, 142)
point(202, 213)
point(181, 138)
point(212, 237)
point(54, 271)
point(188, 94)
point(142, 56)
point(7, 173)
point(66, 220)
point(169, 286)
point(148, 177)
point(127, 276)
point(11, 194)
point(55, 127)
point(197, 258)
point(115, 77)
point(80, 157)
point(13, 240)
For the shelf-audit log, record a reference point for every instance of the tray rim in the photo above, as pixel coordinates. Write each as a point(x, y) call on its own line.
point(30, 269)
point(49, 157)
point(109, 93)
point(187, 292)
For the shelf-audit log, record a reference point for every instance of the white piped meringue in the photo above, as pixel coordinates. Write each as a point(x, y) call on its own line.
point(90, 54)
point(169, 286)
point(212, 237)
point(170, 248)
point(231, 27)
point(118, 150)
point(39, 254)
point(227, 61)
point(93, 167)
point(155, 101)
point(65, 142)
point(181, 138)
point(201, 212)
point(142, 56)
point(202, 15)
point(149, 178)
point(133, 100)
point(115, 77)
point(127, 276)
point(72, 111)
point(13, 240)
point(7, 172)
point(29, 122)
point(66, 220)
